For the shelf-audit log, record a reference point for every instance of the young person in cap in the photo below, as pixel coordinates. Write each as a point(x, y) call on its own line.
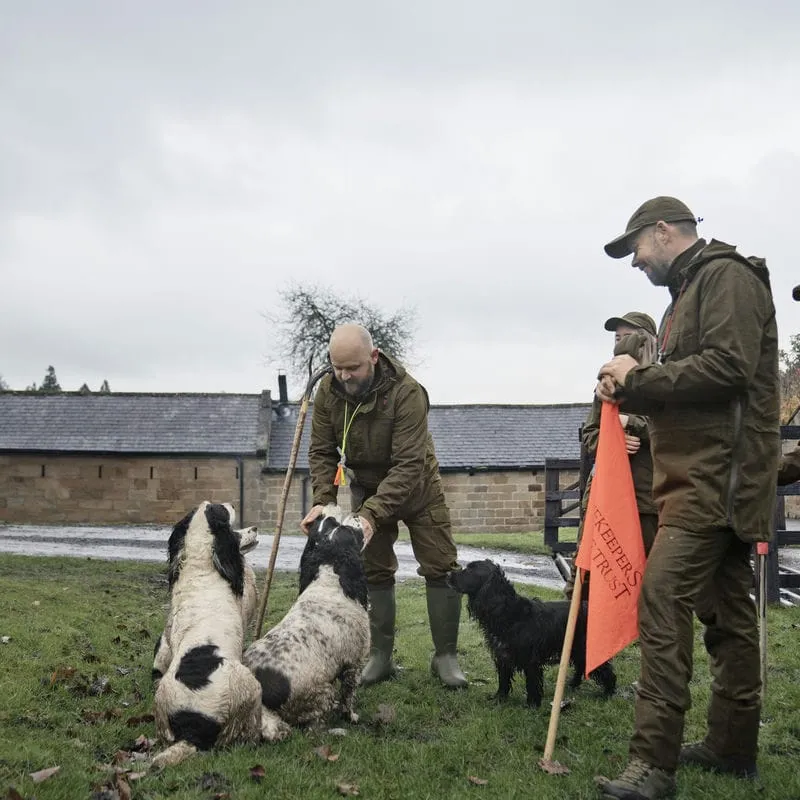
point(635, 334)
point(712, 402)
point(369, 430)
point(789, 470)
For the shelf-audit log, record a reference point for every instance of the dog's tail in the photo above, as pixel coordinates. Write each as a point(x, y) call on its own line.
point(174, 754)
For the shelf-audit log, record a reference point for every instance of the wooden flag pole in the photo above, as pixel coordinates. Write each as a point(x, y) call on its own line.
point(762, 550)
point(546, 762)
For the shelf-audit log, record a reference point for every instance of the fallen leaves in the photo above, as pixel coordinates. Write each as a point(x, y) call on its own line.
point(347, 789)
point(553, 767)
point(144, 719)
point(324, 752)
point(257, 773)
point(61, 675)
point(473, 779)
point(92, 717)
point(43, 774)
point(117, 788)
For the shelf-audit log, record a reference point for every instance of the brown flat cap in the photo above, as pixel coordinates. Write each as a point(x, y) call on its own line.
point(634, 319)
point(667, 209)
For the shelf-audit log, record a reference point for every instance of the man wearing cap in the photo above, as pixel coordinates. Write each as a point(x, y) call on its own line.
point(789, 470)
point(712, 402)
point(634, 333)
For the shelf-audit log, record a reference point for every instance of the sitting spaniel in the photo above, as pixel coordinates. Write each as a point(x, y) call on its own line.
point(324, 638)
point(205, 696)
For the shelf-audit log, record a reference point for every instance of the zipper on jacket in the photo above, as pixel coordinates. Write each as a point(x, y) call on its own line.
point(733, 480)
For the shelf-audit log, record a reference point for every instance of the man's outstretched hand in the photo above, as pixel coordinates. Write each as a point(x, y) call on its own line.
point(314, 513)
point(305, 523)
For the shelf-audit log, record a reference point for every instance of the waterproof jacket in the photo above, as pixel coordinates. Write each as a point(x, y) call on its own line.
point(713, 400)
point(641, 461)
point(389, 448)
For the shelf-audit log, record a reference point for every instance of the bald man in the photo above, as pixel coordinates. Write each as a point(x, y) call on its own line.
point(370, 431)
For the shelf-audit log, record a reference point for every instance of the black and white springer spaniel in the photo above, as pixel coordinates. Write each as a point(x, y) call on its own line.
point(323, 640)
point(204, 695)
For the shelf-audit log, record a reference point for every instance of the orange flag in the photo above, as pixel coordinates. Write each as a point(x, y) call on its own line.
point(611, 548)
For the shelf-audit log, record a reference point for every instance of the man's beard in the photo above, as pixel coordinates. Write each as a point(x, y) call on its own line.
point(358, 388)
point(658, 273)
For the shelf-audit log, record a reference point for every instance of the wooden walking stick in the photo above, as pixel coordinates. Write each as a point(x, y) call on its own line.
point(287, 483)
point(546, 762)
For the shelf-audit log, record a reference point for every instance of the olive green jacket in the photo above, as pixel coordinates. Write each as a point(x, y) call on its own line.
point(389, 448)
point(713, 400)
point(641, 461)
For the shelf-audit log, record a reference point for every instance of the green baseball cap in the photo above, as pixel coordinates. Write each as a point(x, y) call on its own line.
point(666, 209)
point(634, 319)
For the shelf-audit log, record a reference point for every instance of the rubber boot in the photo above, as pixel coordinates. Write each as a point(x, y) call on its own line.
point(444, 614)
point(381, 630)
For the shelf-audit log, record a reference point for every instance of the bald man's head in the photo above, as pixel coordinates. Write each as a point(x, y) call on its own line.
point(353, 358)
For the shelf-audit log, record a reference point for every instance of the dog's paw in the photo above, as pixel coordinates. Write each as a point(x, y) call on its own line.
point(275, 730)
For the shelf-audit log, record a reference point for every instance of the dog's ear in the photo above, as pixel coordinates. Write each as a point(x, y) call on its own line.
point(306, 574)
point(175, 547)
point(227, 558)
point(218, 518)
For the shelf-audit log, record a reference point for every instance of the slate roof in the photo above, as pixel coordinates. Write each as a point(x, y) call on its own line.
point(467, 437)
point(129, 423)
point(495, 437)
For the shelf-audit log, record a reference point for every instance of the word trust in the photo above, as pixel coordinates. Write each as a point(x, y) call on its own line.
point(610, 561)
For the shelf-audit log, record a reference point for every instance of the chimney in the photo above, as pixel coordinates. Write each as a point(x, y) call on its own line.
point(283, 394)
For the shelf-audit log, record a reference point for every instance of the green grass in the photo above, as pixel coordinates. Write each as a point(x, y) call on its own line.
point(531, 543)
point(415, 739)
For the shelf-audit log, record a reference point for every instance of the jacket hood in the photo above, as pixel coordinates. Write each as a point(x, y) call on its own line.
point(715, 250)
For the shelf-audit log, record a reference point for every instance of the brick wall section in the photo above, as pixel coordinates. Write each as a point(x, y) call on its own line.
point(269, 495)
point(74, 491)
point(97, 490)
point(486, 502)
point(497, 502)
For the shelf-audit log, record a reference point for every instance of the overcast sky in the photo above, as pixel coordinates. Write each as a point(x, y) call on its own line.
point(167, 167)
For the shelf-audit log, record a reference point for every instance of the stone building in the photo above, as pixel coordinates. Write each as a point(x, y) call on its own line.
point(116, 459)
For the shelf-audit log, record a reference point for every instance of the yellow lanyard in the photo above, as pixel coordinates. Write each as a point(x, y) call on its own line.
point(341, 476)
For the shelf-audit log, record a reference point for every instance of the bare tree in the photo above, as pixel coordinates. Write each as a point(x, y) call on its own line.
point(309, 314)
point(790, 380)
point(3, 385)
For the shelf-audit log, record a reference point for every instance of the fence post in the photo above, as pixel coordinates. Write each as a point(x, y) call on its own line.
point(773, 574)
point(552, 505)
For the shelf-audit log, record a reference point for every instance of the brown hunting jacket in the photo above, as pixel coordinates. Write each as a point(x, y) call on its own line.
point(388, 447)
point(713, 400)
point(641, 461)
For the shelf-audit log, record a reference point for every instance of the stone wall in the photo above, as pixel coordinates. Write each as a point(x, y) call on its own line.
point(498, 502)
point(99, 490)
point(485, 502)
